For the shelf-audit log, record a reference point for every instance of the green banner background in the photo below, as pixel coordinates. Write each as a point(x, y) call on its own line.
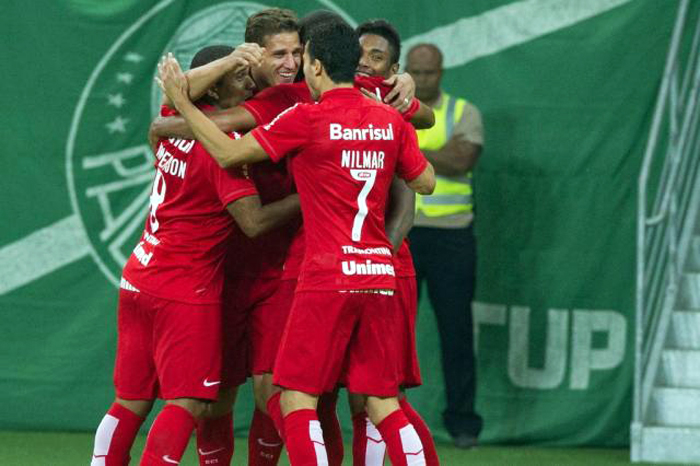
point(566, 111)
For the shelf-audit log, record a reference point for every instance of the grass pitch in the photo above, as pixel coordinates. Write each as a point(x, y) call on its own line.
point(71, 449)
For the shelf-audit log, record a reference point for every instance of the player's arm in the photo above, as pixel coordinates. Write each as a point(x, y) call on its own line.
point(227, 152)
point(424, 118)
point(230, 119)
point(400, 213)
point(203, 77)
point(254, 219)
point(425, 182)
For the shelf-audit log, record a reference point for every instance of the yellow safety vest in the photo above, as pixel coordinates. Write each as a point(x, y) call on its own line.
point(453, 194)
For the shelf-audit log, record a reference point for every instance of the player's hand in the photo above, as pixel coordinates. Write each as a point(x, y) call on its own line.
point(172, 80)
point(370, 95)
point(246, 55)
point(404, 89)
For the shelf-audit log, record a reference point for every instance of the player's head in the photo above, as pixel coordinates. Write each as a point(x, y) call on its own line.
point(233, 87)
point(381, 48)
point(332, 51)
point(424, 64)
point(277, 30)
point(313, 20)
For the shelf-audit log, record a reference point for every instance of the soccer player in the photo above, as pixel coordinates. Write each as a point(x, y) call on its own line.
point(169, 329)
point(346, 150)
point(381, 48)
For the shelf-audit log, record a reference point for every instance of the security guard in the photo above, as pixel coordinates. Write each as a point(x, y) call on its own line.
point(442, 239)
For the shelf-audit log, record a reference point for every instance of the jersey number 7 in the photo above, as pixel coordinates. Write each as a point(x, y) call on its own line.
point(367, 177)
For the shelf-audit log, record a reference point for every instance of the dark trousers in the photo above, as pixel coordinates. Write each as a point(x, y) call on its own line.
point(446, 260)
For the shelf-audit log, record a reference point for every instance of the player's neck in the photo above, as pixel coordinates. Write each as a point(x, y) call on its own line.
point(327, 84)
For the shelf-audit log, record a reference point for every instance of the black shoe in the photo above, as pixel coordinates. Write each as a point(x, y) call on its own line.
point(465, 441)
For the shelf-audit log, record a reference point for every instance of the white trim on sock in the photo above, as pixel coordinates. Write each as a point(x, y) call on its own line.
point(103, 439)
point(376, 448)
point(412, 446)
point(316, 436)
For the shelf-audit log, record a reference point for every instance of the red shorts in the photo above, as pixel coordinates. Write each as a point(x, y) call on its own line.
point(267, 324)
point(167, 349)
point(329, 332)
point(406, 298)
point(242, 297)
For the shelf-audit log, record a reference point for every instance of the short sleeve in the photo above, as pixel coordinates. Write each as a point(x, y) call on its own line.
point(230, 184)
point(411, 161)
point(286, 133)
point(270, 102)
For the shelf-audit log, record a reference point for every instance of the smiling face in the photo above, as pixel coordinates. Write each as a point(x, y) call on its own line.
point(281, 60)
point(376, 57)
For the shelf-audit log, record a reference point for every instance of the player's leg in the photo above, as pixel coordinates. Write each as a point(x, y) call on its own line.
point(188, 362)
point(302, 428)
point(215, 441)
point(422, 429)
point(264, 441)
point(402, 442)
point(266, 327)
point(374, 370)
point(311, 355)
point(134, 380)
point(215, 444)
point(368, 447)
point(171, 431)
point(332, 433)
point(116, 433)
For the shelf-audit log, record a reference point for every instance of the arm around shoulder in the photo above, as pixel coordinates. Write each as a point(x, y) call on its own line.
point(425, 182)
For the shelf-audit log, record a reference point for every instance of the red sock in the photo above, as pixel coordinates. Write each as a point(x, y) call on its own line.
point(423, 431)
point(168, 437)
point(368, 447)
point(115, 435)
point(332, 435)
point(304, 438)
point(402, 441)
point(274, 410)
point(215, 440)
point(264, 443)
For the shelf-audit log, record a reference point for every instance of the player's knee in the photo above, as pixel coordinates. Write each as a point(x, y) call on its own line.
point(197, 408)
point(139, 407)
point(224, 405)
point(357, 403)
point(378, 408)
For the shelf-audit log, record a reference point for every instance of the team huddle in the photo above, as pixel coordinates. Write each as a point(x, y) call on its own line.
point(274, 248)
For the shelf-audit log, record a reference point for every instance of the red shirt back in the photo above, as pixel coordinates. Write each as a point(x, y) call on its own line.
point(181, 252)
point(345, 151)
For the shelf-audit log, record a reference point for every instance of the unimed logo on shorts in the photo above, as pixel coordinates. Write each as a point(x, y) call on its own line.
point(109, 165)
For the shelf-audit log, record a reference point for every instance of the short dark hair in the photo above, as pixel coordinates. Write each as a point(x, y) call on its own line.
point(314, 19)
point(337, 47)
point(383, 29)
point(268, 22)
point(209, 54)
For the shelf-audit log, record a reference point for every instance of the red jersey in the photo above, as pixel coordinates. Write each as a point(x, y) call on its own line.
point(181, 252)
point(375, 84)
point(264, 256)
point(345, 151)
point(270, 102)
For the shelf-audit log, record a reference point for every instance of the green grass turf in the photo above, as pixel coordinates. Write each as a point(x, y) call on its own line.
point(71, 449)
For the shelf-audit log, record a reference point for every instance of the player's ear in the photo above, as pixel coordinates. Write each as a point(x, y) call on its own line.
point(318, 67)
point(394, 68)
